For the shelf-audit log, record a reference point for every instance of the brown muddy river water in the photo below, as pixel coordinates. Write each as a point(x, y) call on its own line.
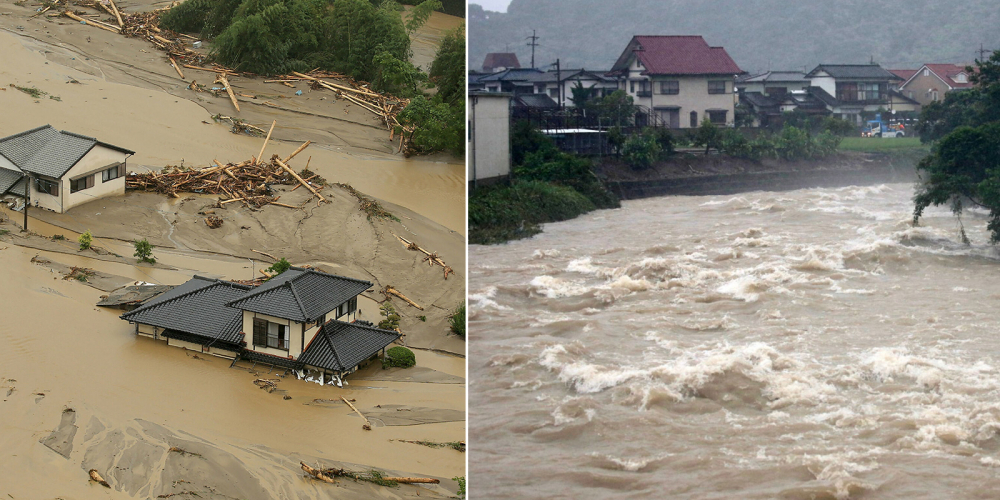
point(806, 344)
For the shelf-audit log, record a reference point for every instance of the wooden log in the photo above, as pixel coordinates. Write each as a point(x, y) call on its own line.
point(222, 79)
point(316, 473)
point(284, 205)
point(340, 87)
point(392, 291)
point(213, 70)
point(297, 151)
point(266, 254)
point(368, 424)
point(304, 183)
point(412, 480)
point(268, 138)
point(230, 201)
point(118, 15)
point(84, 21)
point(176, 68)
point(307, 180)
point(96, 477)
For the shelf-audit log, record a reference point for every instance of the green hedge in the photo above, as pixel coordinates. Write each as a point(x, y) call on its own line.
point(398, 356)
point(501, 213)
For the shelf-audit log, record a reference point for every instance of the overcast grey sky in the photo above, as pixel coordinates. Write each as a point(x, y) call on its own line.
point(494, 5)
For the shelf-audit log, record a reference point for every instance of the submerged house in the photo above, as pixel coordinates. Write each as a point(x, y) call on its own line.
point(302, 320)
point(61, 169)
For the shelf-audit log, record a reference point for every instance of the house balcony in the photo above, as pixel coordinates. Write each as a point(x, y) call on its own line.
point(644, 93)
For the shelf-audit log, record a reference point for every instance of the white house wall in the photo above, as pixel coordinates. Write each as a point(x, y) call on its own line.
point(93, 163)
point(488, 137)
point(295, 335)
point(825, 82)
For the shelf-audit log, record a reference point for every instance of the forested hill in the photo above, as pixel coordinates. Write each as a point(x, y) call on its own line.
point(758, 34)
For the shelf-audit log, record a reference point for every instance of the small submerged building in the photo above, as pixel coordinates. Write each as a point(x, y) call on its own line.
point(303, 320)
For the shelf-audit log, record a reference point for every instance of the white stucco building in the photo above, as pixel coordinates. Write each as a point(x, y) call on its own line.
point(488, 137)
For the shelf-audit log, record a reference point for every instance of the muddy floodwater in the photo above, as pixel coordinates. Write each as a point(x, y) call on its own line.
point(798, 345)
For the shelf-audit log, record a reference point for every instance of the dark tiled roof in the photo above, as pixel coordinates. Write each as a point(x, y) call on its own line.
point(775, 76)
point(340, 346)
point(677, 55)
point(535, 101)
point(552, 75)
point(8, 178)
point(854, 71)
point(302, 295)
point(47, 151)
point(823, 96)
point(758, 100)
point(197, 307)
point(500, 60)
point(511, 75)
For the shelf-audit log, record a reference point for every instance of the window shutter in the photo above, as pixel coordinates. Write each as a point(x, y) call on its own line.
point(90, 181)
point(259, 332)
point(54, 188)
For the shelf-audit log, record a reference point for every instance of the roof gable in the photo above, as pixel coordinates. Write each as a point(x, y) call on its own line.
point(8, 178)
point(47, 151)
point(853, 72)
point(340, 346)
point(500, 60)
point(300, 294)
point(677, 55)
point(197, 307)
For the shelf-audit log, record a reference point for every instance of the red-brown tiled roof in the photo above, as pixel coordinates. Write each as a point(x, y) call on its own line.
point(947, 72)
point(504, 60)
point(678, 55)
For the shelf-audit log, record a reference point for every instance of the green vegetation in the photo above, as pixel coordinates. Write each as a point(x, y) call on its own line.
point(881, 144)
point(58, 237)
point(791, 143)
point(457, 321)
point(32, 91)
point(144, 251)
point(388, 311)
point(85, 240)
point(398, 356)
point(422, 318)
point(640, 151)
point(963, 166)
point(4, 232)
point(548, 186)
point(439, 120)
point(451, 7)
point(279, 267)
point(461, 486)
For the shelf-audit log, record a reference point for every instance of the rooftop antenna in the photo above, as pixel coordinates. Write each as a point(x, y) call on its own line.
point(981, 52)
point(533, 43)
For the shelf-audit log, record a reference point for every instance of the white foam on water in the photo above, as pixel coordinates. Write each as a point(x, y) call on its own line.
point(485, 299)
point(554, 288)
point(544, 254)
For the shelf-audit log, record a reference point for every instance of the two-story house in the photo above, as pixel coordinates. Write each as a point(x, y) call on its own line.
point(773, 83)
point(513, 81)
point(680, 79)
point(851, 89)
point(301, 319)
point(932, 81)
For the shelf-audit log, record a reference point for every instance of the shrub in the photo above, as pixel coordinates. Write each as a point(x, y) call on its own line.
point(567, 170)
point(665, 139)
point(838, 127)
point(640, 151)
point(85, 240)
point(279, 267)
point(457, 321)
point(388, 311)
point(502, 213)
point(144, 251)
point(398, 356)
point(438, 126)
point(708, 135)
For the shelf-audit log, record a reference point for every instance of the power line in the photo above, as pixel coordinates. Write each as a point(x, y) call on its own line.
point(533, 43)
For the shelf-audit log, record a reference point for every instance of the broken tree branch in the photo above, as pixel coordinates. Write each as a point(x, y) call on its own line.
point(389, 290)
point(304, 183)
point(297, 151)
point(368, 424)
point(316, 473)
point(265, 254)
point(268, 138)
point(223, 80)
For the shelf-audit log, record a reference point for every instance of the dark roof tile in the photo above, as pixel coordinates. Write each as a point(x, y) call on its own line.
point(47, 151)
point(341, 346)
point(677, 55)
point(197, 307)
point(301, 295)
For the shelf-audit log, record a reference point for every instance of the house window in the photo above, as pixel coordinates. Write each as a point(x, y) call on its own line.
point(927, 72)
point(718, 117)
point(81, 183)
point(694, 119)
point(113, 173)
point(631, 86)
point(853, 91)
point(554, 93)
point(267, 334)
point(670, 87)
point(347, 307)
point(46, 186)
point(934, 95)
point(716, 86)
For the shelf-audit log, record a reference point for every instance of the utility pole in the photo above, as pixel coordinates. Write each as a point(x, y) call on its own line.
point(982, 51)
point(533, 43)
point(27, 199)
point(560, 83)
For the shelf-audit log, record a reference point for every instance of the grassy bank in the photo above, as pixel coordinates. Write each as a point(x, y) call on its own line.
point(502, 213)
point(882, 144)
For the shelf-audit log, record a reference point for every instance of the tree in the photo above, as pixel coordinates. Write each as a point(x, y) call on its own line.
point(708, 135)
point(85, 239)
point(640, 151)
point(279, 267)
point(617, 107)
point(144, 251)
point(964, 166)
point(437, 126)
point(448, 69)
point(581, 95)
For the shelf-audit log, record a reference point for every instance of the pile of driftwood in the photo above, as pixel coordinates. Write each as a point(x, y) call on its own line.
point(248, 182)
point(431, 257)
point(384, 106)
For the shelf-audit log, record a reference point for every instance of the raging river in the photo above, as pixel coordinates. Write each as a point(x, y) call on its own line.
point(804, 344)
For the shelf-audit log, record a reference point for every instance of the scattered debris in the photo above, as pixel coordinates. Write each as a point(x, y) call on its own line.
point(431, 259)
point(96, 477)
point(389, 290)
point(245, 181)
point(455, 445)
point(374, 476)
point(183, 451)
point(368, 205)
point(213, 221)
point(268, 385)
point(239, 126)
point(316, 473)
point(368, 424)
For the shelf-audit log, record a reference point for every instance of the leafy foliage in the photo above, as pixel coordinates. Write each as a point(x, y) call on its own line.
point(457, 321)
point(85, 240)
point(448, 68)
point(388, 311)
point(398, 356)
point(964, 166)
point(439, 127)
point(641, 151)
point(618, 108)
point(144, 251)
point(279, 267)
point(461, 486)
point(501, 213)
point(791, 143)
point(708, 135)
